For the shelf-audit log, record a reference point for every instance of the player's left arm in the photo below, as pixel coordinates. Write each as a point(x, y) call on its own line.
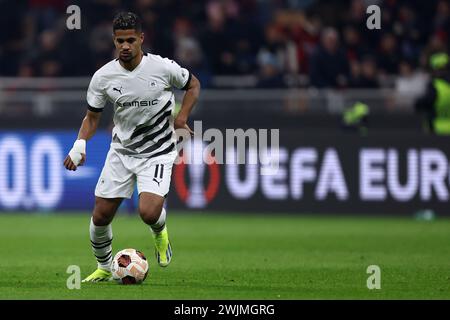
point(189, 100)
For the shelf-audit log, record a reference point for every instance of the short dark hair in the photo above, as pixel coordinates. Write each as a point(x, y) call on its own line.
point(127, 20)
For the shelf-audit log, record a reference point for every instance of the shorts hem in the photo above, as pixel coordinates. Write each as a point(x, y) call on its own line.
point(113, 196)
point(151, 191)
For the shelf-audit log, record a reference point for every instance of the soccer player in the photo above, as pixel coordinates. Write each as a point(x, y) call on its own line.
point(143, 146)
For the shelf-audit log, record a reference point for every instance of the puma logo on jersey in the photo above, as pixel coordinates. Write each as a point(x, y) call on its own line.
point(118, 90)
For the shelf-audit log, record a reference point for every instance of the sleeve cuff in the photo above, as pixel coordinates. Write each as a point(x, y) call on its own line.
point(186, 86)
point(94, 109)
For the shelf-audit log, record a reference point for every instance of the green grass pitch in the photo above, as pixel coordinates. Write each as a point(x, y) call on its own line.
point(233, 256)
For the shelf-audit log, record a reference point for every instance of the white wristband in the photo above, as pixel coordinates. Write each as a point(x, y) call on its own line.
point(78, 148)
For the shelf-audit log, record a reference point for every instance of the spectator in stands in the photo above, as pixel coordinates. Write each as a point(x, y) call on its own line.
point(188, 51)
point(270, 75)
point(356, 14)
point(410, 84)
point(388, 55)
point(273, 52)
point(25, 70)
point(435, 44)
point(353, 44)
point(329, 67)
point(217, 40)
point(442, 19)
point(101, 45)
point(47, 63)
point(364, 74)
point(407, 30)
point(305, 34)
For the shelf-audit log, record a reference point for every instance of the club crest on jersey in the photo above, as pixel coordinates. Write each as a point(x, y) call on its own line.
point(152, 85)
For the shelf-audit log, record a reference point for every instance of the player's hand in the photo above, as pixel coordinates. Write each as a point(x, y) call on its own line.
point(68, 163)
point(180, 123)
point(76, 156)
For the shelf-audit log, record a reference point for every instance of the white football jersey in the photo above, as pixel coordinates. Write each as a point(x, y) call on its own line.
point(143, 101)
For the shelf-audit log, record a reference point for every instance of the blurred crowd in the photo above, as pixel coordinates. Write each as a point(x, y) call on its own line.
point(324, 41)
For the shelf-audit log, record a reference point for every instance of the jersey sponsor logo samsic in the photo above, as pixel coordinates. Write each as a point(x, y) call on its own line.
point(138, 103)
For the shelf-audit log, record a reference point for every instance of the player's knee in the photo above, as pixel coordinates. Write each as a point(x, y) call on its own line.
point(102, 215)
point(150, 214)
point(100, 218)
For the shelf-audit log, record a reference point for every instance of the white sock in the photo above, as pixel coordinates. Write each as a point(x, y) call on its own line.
point(161, 223)
point(101, 241)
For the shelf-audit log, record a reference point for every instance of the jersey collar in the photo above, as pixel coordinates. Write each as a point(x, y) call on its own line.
point(135, 70)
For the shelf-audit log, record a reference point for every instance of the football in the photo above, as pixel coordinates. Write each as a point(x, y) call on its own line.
point(129, 266)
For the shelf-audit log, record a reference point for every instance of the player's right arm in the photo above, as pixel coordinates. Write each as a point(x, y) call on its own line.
point(77, 155)
point(96, 99)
